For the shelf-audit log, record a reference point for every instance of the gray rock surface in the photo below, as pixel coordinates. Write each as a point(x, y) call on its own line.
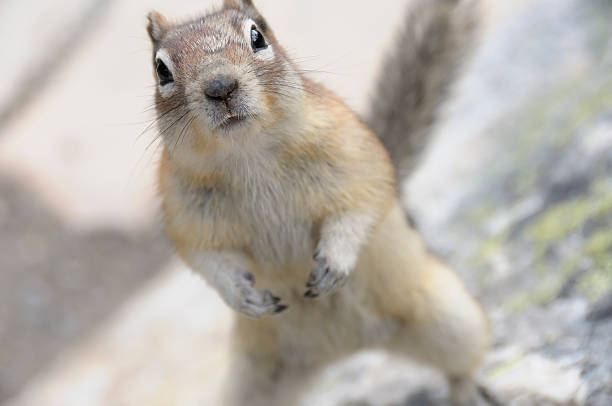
point(521, 196)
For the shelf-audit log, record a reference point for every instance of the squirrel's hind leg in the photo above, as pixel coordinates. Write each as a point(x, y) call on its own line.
point(263, 382)
point(446, 328)
point(259, 375)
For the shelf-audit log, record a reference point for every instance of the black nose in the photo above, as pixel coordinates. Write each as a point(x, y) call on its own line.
point(221, 87)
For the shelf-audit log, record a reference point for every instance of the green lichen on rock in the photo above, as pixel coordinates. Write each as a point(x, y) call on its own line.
point(568, 217)
point(541, 116)
point(593, 104)
point(490, 247)
point(544, 293)
point(598, 281)
point(599, 243)
point(526, 182)
point(592, 214)
point(505, 366)
point(552, 121)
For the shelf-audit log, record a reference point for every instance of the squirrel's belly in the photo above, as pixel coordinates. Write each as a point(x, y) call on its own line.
point(266, 225)
point(332, 326)
point(281, 243)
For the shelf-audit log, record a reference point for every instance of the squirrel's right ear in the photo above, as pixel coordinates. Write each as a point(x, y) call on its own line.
point(158, 25)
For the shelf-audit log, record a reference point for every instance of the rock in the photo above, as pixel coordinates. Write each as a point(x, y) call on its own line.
point(602, 309)
point(516, 194)
point(535, 380)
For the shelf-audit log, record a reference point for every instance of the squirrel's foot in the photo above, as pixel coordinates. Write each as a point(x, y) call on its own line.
point(466, 392)
point(240, 294)
point(327, 277)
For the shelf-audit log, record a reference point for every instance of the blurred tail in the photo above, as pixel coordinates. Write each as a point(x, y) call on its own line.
point(417, 75)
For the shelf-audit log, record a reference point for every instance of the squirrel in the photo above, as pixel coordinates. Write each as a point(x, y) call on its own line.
point(286, 202)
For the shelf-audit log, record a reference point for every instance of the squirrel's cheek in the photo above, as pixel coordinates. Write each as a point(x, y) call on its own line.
point(266, 54)
point(166, 91)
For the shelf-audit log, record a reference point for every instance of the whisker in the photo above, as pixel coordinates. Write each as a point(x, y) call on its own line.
point(184, 130)
point(173, 124)
point(156, 120)
point(294, 86)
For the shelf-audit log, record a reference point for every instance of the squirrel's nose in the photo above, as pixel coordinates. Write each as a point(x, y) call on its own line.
point(221, 87)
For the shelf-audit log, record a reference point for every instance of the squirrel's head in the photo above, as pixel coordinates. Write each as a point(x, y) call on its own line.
point(222, 75)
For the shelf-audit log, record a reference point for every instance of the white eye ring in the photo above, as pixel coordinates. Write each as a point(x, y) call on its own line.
point(265, 54)
point(167, 89)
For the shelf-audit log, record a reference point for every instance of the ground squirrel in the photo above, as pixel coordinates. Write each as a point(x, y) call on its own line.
point(285, 202)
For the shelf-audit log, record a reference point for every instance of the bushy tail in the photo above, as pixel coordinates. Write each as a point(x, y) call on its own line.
point(417, 75)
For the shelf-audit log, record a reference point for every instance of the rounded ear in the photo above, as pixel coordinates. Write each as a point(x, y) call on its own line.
point(243, 4)
point(158, 26)
point(249, 9)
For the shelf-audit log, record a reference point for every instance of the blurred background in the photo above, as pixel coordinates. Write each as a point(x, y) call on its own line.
point(515, 192)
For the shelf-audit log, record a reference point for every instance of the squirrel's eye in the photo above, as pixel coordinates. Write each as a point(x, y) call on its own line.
point(163, 73)
point(258, 42)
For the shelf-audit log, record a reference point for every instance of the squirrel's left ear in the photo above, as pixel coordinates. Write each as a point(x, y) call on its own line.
point(243, 4)
point(249, 9)
point(158, 26)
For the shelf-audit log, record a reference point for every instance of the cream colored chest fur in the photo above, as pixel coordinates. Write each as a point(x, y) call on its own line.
point(261, 211)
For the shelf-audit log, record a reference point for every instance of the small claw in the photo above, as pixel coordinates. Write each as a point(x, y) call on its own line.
point(312, 278)
point(311, 294)
point(280, 308)
point(313, 281)
point(316, 255)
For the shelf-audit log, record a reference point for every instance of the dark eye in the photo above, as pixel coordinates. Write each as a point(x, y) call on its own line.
point(258, 42)
point(163, 73)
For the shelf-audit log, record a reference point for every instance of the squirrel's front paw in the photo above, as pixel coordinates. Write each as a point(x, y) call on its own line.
point(327, 277)
point(240, 294)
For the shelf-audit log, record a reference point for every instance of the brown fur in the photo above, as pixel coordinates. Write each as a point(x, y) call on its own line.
point(247, 206)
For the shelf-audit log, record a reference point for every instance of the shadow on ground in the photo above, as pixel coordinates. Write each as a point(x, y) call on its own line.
point(56, 284)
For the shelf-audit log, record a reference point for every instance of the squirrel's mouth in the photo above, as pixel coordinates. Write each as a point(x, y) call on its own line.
point(233, 122)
